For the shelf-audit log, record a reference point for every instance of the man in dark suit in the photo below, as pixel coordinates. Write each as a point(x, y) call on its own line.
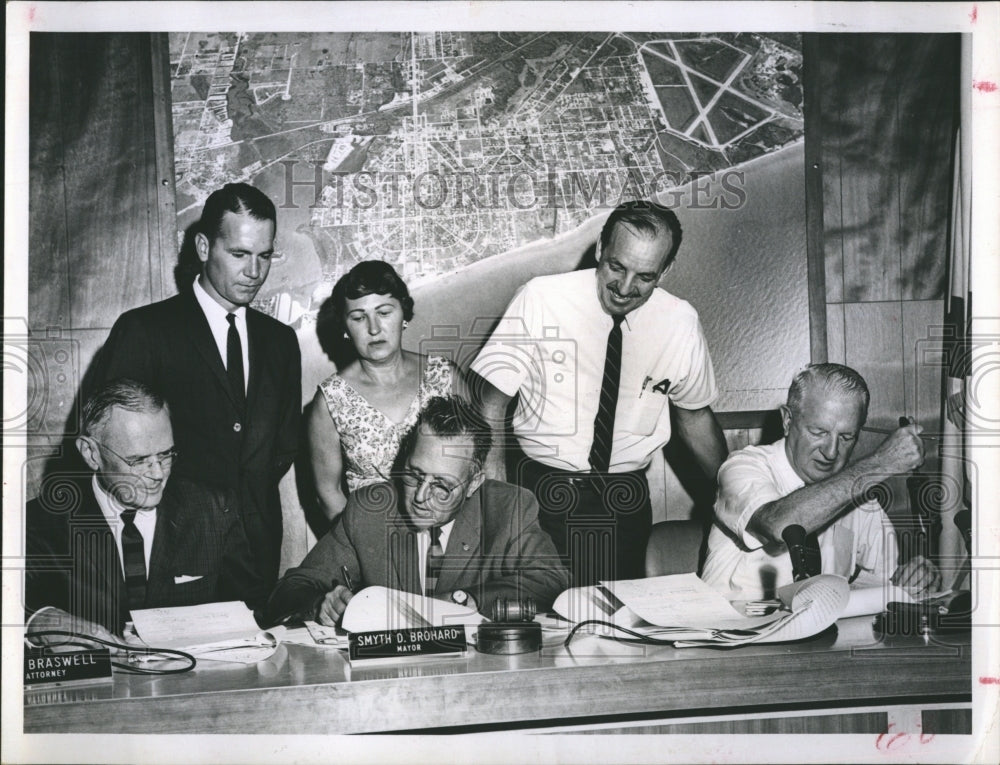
point(126, 537)
point(444, 531)
point(231, 375)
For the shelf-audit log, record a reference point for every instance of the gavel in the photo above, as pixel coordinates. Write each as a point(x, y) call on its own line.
point(513, 629)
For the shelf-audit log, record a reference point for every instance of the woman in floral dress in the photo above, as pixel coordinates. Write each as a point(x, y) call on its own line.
point(361, 413)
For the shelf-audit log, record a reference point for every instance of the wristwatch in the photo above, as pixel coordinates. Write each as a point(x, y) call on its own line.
point(462, 598)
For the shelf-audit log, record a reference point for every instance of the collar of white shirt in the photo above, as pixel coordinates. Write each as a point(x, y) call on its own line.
point(215, 314)
point(212, 310)
point(111, 509)
point(788, 479)
point(606, 318)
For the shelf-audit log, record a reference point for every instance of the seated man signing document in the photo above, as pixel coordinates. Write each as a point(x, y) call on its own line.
point(128, 536)
point(804, 479)
point(440, 529)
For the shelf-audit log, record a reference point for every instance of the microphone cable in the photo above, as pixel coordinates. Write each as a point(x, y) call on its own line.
point(136, 654)
point(637, 637)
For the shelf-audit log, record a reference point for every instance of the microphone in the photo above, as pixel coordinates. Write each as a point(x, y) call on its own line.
point(963, 520)
point(803, 549)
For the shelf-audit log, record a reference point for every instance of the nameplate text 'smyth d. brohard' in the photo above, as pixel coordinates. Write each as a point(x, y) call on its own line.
point(394, 645)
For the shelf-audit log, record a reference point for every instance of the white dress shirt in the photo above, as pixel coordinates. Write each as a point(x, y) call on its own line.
point(145, 522)
point(219, 325)
point(424, 546)
point(860, 542)
point(550, 347)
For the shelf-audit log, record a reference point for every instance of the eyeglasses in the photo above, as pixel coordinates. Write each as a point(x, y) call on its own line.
point(162, 460)
point(440, 491)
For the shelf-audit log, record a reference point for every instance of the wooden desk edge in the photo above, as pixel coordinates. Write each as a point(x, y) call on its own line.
point(552, 693)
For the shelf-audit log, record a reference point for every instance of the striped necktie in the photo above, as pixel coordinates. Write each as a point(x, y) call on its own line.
point(133, 561)
point(234, 361)
point(604, 422)
point(435, 556)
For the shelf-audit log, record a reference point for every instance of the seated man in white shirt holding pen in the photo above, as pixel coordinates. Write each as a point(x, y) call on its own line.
point(804, 479)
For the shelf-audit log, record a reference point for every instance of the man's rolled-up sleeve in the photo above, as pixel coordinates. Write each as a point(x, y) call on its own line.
point(696, 387)
point(511, 351)
point(745, 485)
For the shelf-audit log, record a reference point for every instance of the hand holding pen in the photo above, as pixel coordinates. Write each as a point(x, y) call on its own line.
point(332, 607)
point(348, 582)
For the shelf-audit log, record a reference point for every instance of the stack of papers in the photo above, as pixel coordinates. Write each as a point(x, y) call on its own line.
point(683, 609)
point(217, 631)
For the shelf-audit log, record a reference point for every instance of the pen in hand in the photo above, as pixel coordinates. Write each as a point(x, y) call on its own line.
point(348, 582)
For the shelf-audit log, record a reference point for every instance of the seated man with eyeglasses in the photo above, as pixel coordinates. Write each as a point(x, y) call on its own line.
point(126, 537)
point(440, 529)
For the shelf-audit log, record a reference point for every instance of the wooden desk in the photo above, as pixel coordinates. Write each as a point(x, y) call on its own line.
point(304, 689)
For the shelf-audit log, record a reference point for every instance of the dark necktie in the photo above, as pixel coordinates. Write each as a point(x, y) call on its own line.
point(435, 555)
point(604, 422)
point(234, 362)
point(133, 560)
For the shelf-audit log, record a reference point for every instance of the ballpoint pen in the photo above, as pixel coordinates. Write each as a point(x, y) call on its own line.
point(348, 582)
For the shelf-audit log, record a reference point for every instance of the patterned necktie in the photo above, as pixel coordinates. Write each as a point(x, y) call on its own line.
point(435, 555)
point(133, 560)
point(234, 361)
point(604, 422)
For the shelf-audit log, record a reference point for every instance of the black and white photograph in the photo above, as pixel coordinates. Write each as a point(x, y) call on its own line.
point(534, 382)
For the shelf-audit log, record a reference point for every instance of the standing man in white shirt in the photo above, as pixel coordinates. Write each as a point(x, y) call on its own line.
point(231, 375)
point(805, 479)
point(599, 359)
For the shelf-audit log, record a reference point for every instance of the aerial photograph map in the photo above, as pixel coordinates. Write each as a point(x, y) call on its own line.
point(433, 150)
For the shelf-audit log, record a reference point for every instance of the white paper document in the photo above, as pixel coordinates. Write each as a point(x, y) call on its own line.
point(218, 631)
point(681, 600)
point(376, 609)
point(866, 601)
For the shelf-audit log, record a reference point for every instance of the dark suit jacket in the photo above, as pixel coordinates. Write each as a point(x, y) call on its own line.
point(72, 561)
point(169, 346)
point(496, 549)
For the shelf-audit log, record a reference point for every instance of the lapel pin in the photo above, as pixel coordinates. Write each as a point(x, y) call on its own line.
point(465, 546)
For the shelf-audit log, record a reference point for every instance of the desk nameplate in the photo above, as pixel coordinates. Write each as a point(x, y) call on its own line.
point(403, 644)
point(43, 667)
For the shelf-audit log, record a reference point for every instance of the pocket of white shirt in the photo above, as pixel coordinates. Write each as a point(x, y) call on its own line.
point(642, 414)
point(185, 578)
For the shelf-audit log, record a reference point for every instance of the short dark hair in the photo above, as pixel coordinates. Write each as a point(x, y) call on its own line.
point(236, 198)
point(646, 218)
point(834, 377)
point(121, 392)
point(369, 277)
point(454, 417)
